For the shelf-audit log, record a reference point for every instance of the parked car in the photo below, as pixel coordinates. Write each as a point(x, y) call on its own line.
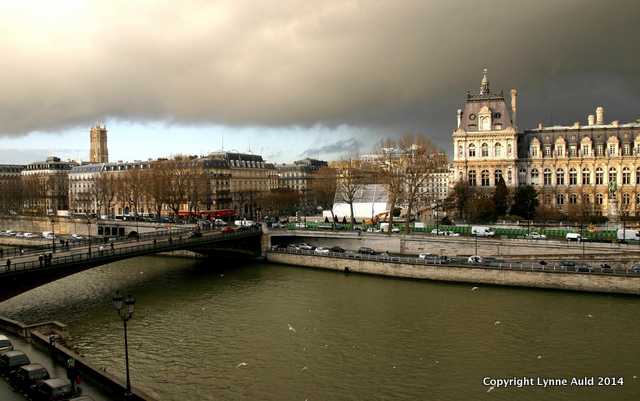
point(47, 235)
point(366, 251)
point(29, 235)
point(12, 360)
point(336, 249)
point(5, 344)
point(395, 230)
point(568, 265)
point(19, 235)
point(481, 231)
point(535, 235)
point(275, 224)
point(195, 234)
point(300, 225)
point(28, 376)
point(475, 260)
point(306, 247)
point(452, 234)
point(435, 231)
point(10, 233)
point(321, 250)
point(584, 268)
point(635, 269)
point(276, 247)
point(425, 256)
point(219, 222)
point(573, 237)
point(76, 237)
point(53, 390)
point(293, 247)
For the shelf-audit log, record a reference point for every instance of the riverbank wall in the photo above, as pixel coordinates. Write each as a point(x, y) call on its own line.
point(38, 335)
point(534, 279)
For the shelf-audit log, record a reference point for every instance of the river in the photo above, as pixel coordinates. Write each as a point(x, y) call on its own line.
point(220, 330)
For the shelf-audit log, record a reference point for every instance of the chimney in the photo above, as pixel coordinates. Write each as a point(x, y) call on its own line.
point(576, 124)
point(459, 114)
point(514, 106)
point(539, 125)
point(591, 119)
point(600, 115)
point(615, 123)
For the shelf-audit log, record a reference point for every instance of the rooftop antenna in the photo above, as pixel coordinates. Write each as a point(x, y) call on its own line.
point(223, 141)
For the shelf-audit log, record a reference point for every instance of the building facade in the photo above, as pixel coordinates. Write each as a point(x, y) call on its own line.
point(592, 166)
point(45, 185)
point(10, 188)
point(98, 152)
point(298, 176)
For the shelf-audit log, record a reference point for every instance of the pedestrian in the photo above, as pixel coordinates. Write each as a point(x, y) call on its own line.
point(154, 242)
point(112, 247)
point(41, 260)
point(21, 251)
point(101, 249)
point(8, 263)
point(1, 253)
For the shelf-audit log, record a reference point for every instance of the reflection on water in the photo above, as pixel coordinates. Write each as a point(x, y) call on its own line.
point(212, 330)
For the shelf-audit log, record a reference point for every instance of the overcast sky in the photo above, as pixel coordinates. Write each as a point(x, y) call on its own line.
point(290, 79)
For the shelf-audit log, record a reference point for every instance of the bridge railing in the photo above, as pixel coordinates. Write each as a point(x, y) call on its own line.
point(434, 260)
point(94, 240)
point(106, 254)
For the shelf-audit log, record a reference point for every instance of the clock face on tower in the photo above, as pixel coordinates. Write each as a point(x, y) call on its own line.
point(472, 116)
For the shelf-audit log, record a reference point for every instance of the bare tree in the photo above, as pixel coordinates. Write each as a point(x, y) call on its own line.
point(350, 185)
point(419, 158)
point(323, 189)
point(155, 187)
point(392, 175)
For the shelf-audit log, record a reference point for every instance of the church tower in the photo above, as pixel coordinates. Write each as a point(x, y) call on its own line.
point(98, 152)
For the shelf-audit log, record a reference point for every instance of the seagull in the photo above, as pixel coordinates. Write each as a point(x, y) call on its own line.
point(539, 356)
point(497, 322)
point(589, 315)
point(241, 364)
point(474, 289)
point(490, 389)
point(304, 368)
point(291, 328)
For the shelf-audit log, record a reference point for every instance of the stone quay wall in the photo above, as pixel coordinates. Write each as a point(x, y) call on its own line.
point(547, 280)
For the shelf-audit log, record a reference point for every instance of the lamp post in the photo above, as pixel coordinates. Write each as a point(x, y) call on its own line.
point(476, 236)
point(125, 307)
point(53, 236)
point(89, 234)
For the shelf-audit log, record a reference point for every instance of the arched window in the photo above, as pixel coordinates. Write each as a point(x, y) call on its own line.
point(559, 199)
point(472, 150)
point(547, 177)
point(586, 176)
point(534, 176)
point(497, 176)
point(485, 150)
point(484, 178)
point(509, 150)
point(573, 199)
point(573, 177)
point(599, 199)
point(485, 123)
point(613, 175)
point(559, 176)
point(599, 176)
point(497, 149)
point(626, 199)
point(586, 199)
point(626, 176)
point(472, 178)
point(460, 151)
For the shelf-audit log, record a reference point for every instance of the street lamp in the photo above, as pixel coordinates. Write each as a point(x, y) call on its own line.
point(53, 236)
point(89, 234)
point(125, 309)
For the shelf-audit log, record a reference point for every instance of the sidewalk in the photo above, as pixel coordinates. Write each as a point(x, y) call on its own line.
point(37, 356)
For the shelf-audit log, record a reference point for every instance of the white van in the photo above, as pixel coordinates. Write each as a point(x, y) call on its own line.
point(245, 223)
point(628, 234)
point(573, 237)
point(47, 234)
point(482, 231)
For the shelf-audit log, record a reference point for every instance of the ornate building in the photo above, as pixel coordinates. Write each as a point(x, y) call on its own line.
point(486, 137)
point(99, 152)
point(45, 185)
point(594, 166)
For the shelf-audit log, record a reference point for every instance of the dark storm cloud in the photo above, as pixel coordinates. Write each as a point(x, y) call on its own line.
point(348, 146)
point(389, 65)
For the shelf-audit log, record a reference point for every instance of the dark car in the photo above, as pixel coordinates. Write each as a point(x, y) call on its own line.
point(568, 265)
point(5, 344)
point(12, 360)
point(28, 376)
point(53, 390)
point(195, 234)
point(635, 269)
point(366, 251)
point(584, 268)
point(336, 249)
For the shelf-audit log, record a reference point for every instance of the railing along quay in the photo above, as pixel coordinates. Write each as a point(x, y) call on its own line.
point(106, 254)
point(436, 261)
point(95, 240)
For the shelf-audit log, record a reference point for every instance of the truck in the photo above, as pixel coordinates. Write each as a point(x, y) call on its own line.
point(628, 234)
point(482, 231)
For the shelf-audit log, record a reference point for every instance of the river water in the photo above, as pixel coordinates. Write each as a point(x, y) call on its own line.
point(220, 330)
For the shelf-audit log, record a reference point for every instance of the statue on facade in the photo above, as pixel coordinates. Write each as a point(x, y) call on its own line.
point(613, 187)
